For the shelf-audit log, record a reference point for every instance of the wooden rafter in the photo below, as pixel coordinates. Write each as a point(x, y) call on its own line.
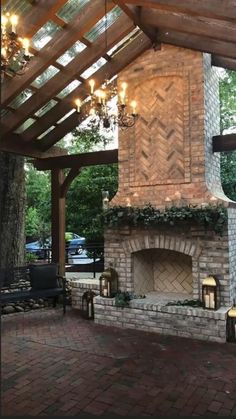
point(216, 9)
point(209, 28)
point(224, 143)
point(150, 32)
point(84, 60)
point(29, 150)
point(198, 43)
point(117, 63)
point(64, 39)
point(78, 160)
point(120, 61)
point(224, 62)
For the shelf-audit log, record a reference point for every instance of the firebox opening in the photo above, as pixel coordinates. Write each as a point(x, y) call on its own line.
point(162, 272)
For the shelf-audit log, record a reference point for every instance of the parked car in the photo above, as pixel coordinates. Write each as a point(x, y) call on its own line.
point(74, 245)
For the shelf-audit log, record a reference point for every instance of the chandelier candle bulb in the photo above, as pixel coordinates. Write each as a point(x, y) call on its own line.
point(25, 43)
point(14, 21)
point(92, 84)
point(133, 106)
point(4, 23)
point(122, 97)
point(78, 105)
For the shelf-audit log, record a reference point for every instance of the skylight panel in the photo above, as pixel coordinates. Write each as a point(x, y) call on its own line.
point(46, 108)
point(68, 89)
point(46, 132)
point(44, 34)
point(45, 76)
point(66, 116)
point(21, 98)
point(18, 7)
point(91, 70)
point(71, 9)
point(99, 28)
point(71, 53)
point(25, 125)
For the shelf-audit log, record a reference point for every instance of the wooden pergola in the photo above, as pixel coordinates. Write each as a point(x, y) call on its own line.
point(36, 114)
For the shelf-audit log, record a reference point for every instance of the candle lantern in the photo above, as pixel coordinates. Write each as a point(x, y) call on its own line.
point(87, 304)
point(210, 293)
point(108, 282)
point(231, 324)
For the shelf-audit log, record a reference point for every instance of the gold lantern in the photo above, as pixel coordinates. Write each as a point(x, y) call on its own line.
point(108, 282)
point(210, 293)
point(231, 324)
point(87, 304)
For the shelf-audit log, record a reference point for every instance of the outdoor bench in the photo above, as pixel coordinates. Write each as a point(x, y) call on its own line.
point(32, 281)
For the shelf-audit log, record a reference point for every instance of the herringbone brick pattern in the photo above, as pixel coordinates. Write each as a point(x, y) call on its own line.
point(54, 365)
point(160, 130)
point(162, 270)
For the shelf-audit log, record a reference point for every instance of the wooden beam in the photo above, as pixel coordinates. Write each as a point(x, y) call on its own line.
point(78, 160)
point(216, 9)
point(134, 16)
point(121, 59)
point(64, 39)
point(224, 143)
point(223, 62)
point(198, 43)
point(209, 28)
point(40, 13)
point(16, 146)
point(122, 27)
point(58, 219)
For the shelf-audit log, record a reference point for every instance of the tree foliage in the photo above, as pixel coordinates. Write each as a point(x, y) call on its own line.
point(228, 124)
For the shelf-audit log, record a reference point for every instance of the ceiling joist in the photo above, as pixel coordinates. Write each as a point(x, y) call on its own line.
point(224, 143)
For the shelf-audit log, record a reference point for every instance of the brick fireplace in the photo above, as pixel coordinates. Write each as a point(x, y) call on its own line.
point(166, 159)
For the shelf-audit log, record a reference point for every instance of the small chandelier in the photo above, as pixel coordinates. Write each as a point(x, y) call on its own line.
point(98, 107)
point(102, 114)
point(14, 50)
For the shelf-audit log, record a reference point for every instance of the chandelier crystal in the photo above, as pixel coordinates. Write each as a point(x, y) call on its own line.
point(14, 50)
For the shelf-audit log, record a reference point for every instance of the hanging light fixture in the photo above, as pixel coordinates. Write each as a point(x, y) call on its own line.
point(98, 108)
point(14, 50)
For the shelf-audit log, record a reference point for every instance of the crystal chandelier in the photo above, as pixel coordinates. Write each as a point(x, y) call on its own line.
point(98, 106)
point(14, 50)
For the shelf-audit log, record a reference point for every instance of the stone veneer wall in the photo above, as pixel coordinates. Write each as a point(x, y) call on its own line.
point(210, 253)
point(195, 323)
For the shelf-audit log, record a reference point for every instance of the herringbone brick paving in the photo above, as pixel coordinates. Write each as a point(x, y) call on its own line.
point(54, 365)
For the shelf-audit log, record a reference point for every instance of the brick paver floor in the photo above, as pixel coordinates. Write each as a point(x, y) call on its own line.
point(65, 365)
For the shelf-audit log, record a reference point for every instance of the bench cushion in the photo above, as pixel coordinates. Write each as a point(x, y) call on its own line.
point(44, 276)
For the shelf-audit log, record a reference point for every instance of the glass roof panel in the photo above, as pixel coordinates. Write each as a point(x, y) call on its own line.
point(45, 76)
point(21, 98)
point(5, 112)
point(44, 34)
point(71, 53)
point(99, 28)
point(46, 108)
point(66, 116)
point(19, 7)
point(128, 38)
point(25, 125)
point(99, 63)
point(71, 9)
point(68, 89)
point(46, 132)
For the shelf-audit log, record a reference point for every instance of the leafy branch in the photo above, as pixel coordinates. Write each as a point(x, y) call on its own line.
point(212, 216)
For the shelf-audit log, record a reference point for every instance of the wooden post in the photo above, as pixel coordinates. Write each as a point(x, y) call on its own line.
point(58, 219)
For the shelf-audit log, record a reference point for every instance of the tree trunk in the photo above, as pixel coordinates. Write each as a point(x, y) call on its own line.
point(12, 210)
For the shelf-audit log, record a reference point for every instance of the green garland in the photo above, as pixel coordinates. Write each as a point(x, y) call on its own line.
point(211, 216)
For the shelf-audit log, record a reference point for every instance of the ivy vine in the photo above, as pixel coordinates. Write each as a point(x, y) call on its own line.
point(211, 216)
